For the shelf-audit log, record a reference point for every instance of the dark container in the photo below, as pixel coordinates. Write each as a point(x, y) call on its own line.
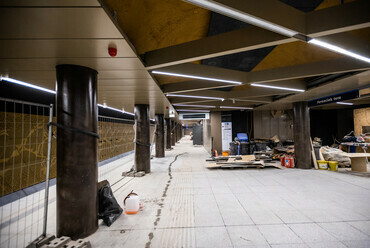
point(252, 147)
point(261, 146)
point(244, 148)
point(233, 148)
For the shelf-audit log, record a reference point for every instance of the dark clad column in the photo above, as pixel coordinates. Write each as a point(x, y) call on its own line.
point(168, 133)
point(173, 136)
point(302, 136)
point(159, 136)
point(142, 145)
point(77, 157)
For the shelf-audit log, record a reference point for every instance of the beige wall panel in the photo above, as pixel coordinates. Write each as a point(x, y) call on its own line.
point(266, 126)
point(361, 118)
point(216, 131)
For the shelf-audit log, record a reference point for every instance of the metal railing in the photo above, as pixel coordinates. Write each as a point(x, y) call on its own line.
point(26, 150)
point(24, 140)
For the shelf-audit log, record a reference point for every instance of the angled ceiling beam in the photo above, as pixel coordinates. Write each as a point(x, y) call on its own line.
point(189, 101)
point(269, 10)
point(338, 19)
point(238, 102)
point(206, 93)
point(345, 17)
point(344, 64)
point(189, 86)
point(237, 41)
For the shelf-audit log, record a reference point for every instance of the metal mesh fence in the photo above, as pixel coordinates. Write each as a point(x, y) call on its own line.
point(116, 138)
point(23, 155)
point(23, 159)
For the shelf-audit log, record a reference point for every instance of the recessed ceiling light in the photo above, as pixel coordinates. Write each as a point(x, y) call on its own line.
point(244, 17)
point(338, 50)
point(15, 81)
point(196, 77)
point(201, 97)
point(345, 103)
point(195, 106)
point(276, 87)
point(231, 107)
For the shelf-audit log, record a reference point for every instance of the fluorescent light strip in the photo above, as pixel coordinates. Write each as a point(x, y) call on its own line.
point(195, 106)
point(118, 110)
point(276, 87)
point(196, 77)
point(345, 103)
point(338, 50)
point(244, 17)
point(201, 97)
point(192, 110)
point(15, 81)
point(230, 107)
point(12, 80)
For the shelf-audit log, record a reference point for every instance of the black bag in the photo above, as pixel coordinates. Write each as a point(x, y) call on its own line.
point(109, 209)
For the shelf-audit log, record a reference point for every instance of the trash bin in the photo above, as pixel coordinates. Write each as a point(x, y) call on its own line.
point(252, 147)
point(244, 148)
point(233, 148)
point(261, 146)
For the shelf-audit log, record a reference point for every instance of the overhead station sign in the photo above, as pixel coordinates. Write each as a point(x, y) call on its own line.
point(335, 98)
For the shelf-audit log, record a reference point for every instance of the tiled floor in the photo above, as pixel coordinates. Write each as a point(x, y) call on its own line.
point(239, 208)
point(191, 206)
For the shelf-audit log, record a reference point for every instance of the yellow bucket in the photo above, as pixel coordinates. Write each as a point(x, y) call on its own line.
point(225, 153)
point(323, 165)
point(333, 165)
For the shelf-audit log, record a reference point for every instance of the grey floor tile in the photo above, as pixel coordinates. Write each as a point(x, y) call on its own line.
point(279, 234)
point(261, 217)
point(173, 238)
point(336, 244)
point(357, 244)
point(363, 226)
point(290, 246)
point(292, 216)
point(206, 211)
point(343, 231)
point(311, 233)
point(246, 236)
point(212, 237)
point(231, 211)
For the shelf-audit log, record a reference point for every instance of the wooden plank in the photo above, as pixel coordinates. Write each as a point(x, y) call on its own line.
point(313, 156)
point(357, 155)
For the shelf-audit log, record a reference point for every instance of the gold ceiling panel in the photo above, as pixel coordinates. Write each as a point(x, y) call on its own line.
point(153, 24)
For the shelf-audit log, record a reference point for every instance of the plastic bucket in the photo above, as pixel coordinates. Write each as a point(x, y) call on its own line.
point(323, 165)
point(333, 165)
point(226, 153)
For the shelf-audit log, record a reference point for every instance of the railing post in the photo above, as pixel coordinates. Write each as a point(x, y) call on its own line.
point(46, 200)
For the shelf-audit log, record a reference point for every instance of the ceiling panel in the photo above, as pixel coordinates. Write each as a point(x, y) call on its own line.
point(34, 40)
point(8, 65)
point(59, 23)
point(47, 3)
point(51, 75)
point(63, 48)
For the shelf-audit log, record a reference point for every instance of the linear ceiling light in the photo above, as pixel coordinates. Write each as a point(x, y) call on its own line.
point(244, 17)
point(338, 50)
point(201, 97)
point(196, 77)
point(231, 107)
point(276, 87)
point(192, 110)
point(345, 103)
point(15, 81)
point(195, 106)
point(118, 110)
